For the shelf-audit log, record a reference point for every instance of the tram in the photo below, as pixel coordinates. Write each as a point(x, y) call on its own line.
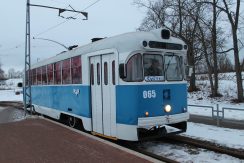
point(129, 87)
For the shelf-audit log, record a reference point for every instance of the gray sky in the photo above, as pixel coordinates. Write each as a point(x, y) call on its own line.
point(106, 18)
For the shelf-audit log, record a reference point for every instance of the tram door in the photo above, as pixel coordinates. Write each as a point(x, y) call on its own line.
point(102, 76)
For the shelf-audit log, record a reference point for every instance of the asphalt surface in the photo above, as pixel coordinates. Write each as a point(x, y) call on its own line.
point(36, 140)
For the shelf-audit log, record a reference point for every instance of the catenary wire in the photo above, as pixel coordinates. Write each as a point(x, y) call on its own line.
point(55, 26)
point(45, 31)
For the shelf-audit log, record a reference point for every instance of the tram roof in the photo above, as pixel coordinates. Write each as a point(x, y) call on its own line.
point(127, 42)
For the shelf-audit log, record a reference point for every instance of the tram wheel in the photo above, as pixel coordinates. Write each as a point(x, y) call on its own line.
point(72, 121)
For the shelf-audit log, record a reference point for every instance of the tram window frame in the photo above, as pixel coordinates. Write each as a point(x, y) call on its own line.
point(57, 73)
point(50, 77)
point(76, 70)
point(180, 68)
point(66, 71)
point(34, 80)
point(44, 75)
point(139, 77)
point(39, 75)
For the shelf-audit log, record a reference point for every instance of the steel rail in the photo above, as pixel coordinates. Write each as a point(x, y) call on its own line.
point(238, 153)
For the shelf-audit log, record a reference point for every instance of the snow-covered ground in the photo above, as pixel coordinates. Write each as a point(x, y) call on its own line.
point(223, 136)
point(232, 138)
point(9, 95)
point(8, 90)
point(227, 88)
point(182, 153)
point(10, 84)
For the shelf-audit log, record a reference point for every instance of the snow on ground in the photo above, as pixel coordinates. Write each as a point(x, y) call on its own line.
point(182, 153)
point(232, 138)
point(10, 84)
point(8, 90)
point(227, 87)
point(9, 95)
point(187, 154)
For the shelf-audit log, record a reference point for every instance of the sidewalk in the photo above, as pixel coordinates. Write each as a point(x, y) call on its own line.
point(38, 140)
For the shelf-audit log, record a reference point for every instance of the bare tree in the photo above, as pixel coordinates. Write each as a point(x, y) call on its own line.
point(233, 17)
point(232, 9)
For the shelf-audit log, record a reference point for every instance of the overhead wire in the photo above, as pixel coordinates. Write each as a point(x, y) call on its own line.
point(55, 26)
point(50, 28)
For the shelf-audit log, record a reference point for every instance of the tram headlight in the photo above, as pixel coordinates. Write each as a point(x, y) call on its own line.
point(146, 114)
point(167, 108)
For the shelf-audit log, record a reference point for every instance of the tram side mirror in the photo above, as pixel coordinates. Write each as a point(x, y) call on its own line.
point(122, 74)
point(189, 71)
point(20, 85)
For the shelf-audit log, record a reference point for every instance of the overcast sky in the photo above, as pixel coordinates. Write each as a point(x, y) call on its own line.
point(106, 18)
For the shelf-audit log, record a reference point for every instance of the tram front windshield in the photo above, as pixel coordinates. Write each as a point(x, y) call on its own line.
point(154, 67)
point(158, 68)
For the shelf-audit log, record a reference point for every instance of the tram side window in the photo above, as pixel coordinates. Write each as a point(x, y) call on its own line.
point(34, 77)
point(76, 70)
point(98, 74)
point(134, 69)
point(92, 74)
point(66, 76)
point(105, 73)
point(57, 73)
point(44, 75)
point(39, 75)
point(50, 74)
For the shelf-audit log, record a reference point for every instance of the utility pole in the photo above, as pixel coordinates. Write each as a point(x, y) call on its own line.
point(27, 80)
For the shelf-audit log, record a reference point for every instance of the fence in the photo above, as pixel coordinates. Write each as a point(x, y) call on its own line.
point(218, 113)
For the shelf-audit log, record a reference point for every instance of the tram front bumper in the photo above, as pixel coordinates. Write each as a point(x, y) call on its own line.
point(148, 122)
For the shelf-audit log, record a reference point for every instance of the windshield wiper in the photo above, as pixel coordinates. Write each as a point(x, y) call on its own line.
point(167, 66)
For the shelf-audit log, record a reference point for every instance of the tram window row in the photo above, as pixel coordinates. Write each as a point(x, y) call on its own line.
point(68, 71)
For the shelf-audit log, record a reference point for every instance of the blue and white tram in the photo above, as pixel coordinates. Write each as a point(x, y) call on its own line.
point(127, 87)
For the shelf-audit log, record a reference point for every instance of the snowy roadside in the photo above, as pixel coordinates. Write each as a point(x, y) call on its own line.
point(224, 136)
point(9, 95)
point(183, 153)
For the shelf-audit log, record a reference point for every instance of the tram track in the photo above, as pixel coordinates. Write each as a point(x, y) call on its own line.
point(133, 146)
point(188, 143)
point(238, 153)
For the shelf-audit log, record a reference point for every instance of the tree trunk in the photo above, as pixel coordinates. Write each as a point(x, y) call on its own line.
point(214, 50)
point(237, 68)
point(191, 61)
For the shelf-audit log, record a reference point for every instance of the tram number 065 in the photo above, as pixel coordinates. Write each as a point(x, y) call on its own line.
point(149, 94)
